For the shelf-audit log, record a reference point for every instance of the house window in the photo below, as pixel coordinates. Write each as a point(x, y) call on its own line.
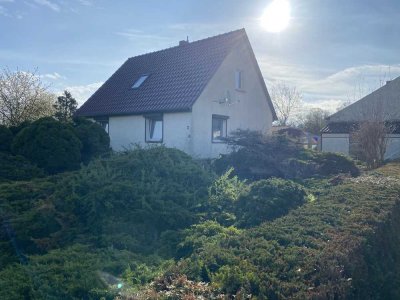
point(219, 128)
point(154, 129)
point(238, 80)
point(103, 122)
point(139, 82)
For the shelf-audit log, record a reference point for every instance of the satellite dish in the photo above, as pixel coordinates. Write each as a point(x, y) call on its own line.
point(226, 99)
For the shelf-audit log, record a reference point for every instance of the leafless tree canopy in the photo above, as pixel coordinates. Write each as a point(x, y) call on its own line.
point(286, 100)
point(314, 120)
point(372, 135)
point(23, 97)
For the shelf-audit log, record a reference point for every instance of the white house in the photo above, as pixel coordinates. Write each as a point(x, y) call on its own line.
point(382, 105)
point(189, 97)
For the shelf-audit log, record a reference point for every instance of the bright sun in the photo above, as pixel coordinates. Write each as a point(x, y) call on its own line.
point(276, 16)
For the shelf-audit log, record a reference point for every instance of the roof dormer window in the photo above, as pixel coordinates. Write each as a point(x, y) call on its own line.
point(139, 82)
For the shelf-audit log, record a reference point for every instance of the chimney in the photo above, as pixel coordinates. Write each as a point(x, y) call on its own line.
point(183, 42)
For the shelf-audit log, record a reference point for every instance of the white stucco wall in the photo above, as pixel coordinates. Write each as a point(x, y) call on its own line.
point(249, 108)
point(338, 143)
point(126, 131)
point(393, 147)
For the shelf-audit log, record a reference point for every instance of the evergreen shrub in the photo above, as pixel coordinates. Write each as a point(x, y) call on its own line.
point(50, 144)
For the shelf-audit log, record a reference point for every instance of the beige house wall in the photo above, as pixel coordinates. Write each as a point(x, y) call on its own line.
point(248, 108)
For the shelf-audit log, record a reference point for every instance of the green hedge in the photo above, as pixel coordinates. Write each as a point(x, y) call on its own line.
point(343, 245)
point(6, 137)
point(50, 144)
point(95, 141)
point(17, 168)
point(267, 200)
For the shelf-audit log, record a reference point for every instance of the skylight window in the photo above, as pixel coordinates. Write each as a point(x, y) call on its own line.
point(139, 82)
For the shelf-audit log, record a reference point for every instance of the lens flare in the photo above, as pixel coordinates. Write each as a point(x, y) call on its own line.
point(276, 16)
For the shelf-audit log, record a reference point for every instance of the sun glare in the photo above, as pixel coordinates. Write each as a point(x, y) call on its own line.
point(276, 16)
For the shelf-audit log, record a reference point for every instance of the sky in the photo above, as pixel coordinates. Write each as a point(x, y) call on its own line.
point(333, 51)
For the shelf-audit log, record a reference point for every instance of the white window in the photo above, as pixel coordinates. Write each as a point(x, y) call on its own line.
point(104, 124)
point(219, 128)
point(238, 80)
point(139, 82)
point(154, 129)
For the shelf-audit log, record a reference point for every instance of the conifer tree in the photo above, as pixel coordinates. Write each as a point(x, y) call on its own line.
point(65, 107)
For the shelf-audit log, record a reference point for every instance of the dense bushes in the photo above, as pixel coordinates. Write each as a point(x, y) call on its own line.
point(95, 141)
point(268, 200)
point(54, 146)
point(70, 273)
point(332, 163)
point(129, 199)
point(258, 157)
point(50, 144)
point(133, 203)
point(132, 216)
point(235, 202)
point(17, 168)
point(337, 247)
point(6, 138)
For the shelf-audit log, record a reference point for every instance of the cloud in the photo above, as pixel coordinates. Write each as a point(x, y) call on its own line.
point(352, 83)
point(82, 92)
point(4, 12)
point(85, 2)
point(327, 89)
point(49, 4)
point(330, 105)
point(134, 34)
point(53, 76)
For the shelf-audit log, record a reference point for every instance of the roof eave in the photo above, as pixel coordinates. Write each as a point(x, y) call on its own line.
point(261, 78)
point(138, 113)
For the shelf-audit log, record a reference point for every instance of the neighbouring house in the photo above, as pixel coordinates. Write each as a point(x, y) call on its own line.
point(381, 105)
point(190, 96)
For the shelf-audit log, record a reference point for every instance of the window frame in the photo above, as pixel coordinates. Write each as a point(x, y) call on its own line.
point(104, 122)
point(154, 117)
point(239, 80)
point(219, 140)
point(105, 125)
point(142, 78)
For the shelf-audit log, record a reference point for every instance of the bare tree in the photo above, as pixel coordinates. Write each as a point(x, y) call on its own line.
point(23, 97)
point(286, 100)
point(371, 136)
point(314, 120)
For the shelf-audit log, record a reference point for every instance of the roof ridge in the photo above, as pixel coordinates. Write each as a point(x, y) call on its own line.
point(243, 30)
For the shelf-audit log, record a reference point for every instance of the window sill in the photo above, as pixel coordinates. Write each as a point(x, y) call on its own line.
point(154, 142)
point(218, 142)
